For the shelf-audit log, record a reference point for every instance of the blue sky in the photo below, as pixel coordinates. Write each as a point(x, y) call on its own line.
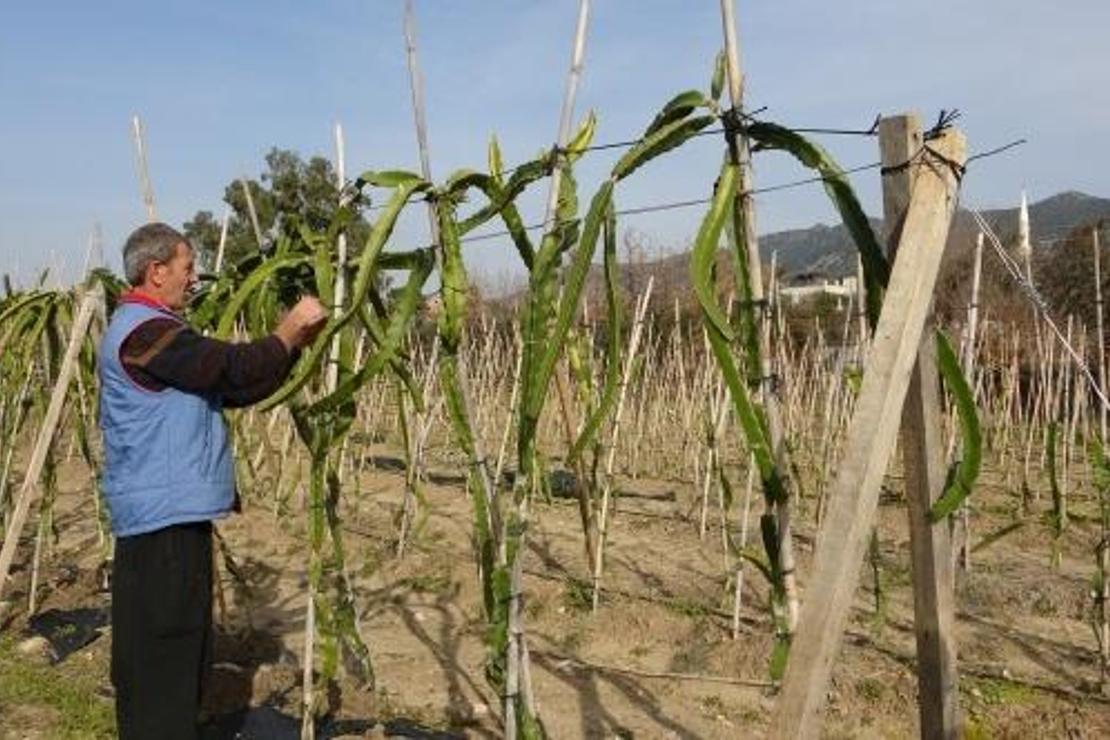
point(219, 83)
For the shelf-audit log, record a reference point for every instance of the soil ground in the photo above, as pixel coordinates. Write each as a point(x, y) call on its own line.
point(656, 660)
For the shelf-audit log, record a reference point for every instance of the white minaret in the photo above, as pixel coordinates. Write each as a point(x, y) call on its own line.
point(1025, 245)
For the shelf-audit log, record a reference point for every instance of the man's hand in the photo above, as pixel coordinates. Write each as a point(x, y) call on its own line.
point(302, 324)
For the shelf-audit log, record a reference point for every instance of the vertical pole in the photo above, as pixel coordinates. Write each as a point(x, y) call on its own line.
point(223, 239)
point(341, 272)
point(479, 463)
point(331, 380)
point(740, 153)
point(94, 254)
point(566, 114)
point(900, 139)
point(141, 165)
point(586, 507)
point(1100, 340)
point(861, 312)
point(971, 342)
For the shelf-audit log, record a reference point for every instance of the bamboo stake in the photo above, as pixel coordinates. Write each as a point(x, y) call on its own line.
point(513, 393)
point(607, 487)
point(738, 596)
point(565, 397)
point(141, 165)
point(740, 154)
point(223, 239)
point(332, 375)
point(415, 441)
point(251, 211)
point(1101, 336)
point(969, 372)
point(518, 677)
point(1102, 596)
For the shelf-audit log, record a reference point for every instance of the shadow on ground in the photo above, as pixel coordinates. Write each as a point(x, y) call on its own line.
point(267, 723)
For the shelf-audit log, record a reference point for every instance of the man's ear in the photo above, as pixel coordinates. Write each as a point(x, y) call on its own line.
point(154, 274)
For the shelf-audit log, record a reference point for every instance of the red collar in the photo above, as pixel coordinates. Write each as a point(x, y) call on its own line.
point(137, 296)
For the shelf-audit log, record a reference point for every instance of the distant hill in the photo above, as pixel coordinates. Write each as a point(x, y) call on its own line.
point(828, 250)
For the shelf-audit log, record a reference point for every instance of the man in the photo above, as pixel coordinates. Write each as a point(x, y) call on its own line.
point(168, 473)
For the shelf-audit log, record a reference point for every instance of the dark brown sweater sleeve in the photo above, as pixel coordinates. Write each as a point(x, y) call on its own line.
point(164, 353)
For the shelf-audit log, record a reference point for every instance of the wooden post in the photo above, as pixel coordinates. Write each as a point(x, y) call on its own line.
point(868, 445)
point(923, 453)
point(46, 433)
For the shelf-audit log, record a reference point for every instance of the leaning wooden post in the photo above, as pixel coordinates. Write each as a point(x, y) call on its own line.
point(923, 457)
point(869, 442)
point(46, 433)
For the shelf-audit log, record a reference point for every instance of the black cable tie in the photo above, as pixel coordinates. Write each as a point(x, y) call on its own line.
point(732, 119)
point(958, 169)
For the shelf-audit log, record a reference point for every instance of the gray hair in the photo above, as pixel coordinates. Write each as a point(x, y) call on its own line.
point(156, 242)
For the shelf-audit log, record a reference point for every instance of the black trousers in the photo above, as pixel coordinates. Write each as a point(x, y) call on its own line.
point(161, 620)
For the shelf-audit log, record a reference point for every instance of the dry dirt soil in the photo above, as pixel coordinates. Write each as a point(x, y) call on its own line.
point(656, 660)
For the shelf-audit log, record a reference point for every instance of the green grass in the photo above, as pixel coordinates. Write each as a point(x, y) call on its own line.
point(999, 691)
point(577, 595)
point(64, 695)
point(687, 608)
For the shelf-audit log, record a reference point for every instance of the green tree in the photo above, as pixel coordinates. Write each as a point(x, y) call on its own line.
point(288, 186)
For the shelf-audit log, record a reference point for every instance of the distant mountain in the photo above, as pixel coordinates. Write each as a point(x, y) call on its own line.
point(829, 251)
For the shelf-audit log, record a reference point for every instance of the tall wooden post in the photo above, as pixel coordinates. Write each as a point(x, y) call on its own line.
point(900, 138)
point(869, 443)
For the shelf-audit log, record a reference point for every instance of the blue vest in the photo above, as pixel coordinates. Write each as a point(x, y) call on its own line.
point(167, 459)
